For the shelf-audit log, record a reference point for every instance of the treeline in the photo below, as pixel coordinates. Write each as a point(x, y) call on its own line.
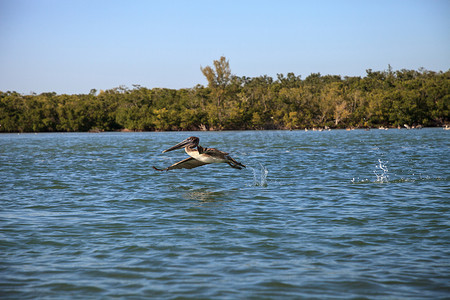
point(381, 98)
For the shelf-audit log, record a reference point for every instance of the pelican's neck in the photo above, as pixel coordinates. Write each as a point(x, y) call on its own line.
point(190, 149)
point(200, 149)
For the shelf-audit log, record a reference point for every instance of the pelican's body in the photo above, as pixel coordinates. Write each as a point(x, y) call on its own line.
point(200, 156)
point(209, 156)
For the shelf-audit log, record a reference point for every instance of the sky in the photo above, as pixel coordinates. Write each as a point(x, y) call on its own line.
point(73, 46)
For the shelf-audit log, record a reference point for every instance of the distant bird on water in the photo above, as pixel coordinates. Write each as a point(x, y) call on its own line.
point(199, 156)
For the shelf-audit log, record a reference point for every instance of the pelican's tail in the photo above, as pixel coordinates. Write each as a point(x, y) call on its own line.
point(234, 164)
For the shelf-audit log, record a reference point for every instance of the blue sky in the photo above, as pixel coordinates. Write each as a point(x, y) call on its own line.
point(73, 46)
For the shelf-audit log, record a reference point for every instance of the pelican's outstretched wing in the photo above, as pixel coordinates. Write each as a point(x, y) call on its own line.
point(188, 163)
point(213, 151)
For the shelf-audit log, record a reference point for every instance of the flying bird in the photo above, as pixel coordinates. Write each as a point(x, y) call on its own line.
point(200, 156)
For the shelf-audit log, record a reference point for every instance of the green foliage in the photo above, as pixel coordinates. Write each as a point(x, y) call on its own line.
point(381, 98)
point(220, 76)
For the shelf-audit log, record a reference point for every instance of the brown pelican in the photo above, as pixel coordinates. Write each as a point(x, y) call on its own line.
point(199, 156)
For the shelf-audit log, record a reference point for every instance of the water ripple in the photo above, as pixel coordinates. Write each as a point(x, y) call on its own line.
point(315, 215)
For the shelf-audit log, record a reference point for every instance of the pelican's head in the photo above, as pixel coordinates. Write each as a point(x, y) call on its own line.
point(189, 142)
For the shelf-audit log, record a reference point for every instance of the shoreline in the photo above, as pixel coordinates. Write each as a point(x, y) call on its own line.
point(316, 129)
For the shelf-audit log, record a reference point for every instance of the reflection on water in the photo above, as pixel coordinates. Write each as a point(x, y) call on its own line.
point(205, 195)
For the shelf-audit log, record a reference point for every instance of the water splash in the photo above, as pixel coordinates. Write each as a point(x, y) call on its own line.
point(358, 180)
point(260, 177)
point(382, 171)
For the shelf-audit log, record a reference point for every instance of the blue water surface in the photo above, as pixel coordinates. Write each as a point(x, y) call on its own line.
point(325, 215)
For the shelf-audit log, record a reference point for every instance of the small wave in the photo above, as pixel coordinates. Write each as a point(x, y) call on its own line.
point(357, 180)
point(399, 180)
point(421, 179)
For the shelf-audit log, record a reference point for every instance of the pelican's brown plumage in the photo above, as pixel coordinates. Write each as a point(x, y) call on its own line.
point(200, 156)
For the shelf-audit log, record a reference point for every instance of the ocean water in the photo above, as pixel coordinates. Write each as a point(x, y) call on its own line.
point(316, 215)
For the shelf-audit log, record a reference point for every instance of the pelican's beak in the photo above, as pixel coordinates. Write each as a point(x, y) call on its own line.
point(179, 145)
